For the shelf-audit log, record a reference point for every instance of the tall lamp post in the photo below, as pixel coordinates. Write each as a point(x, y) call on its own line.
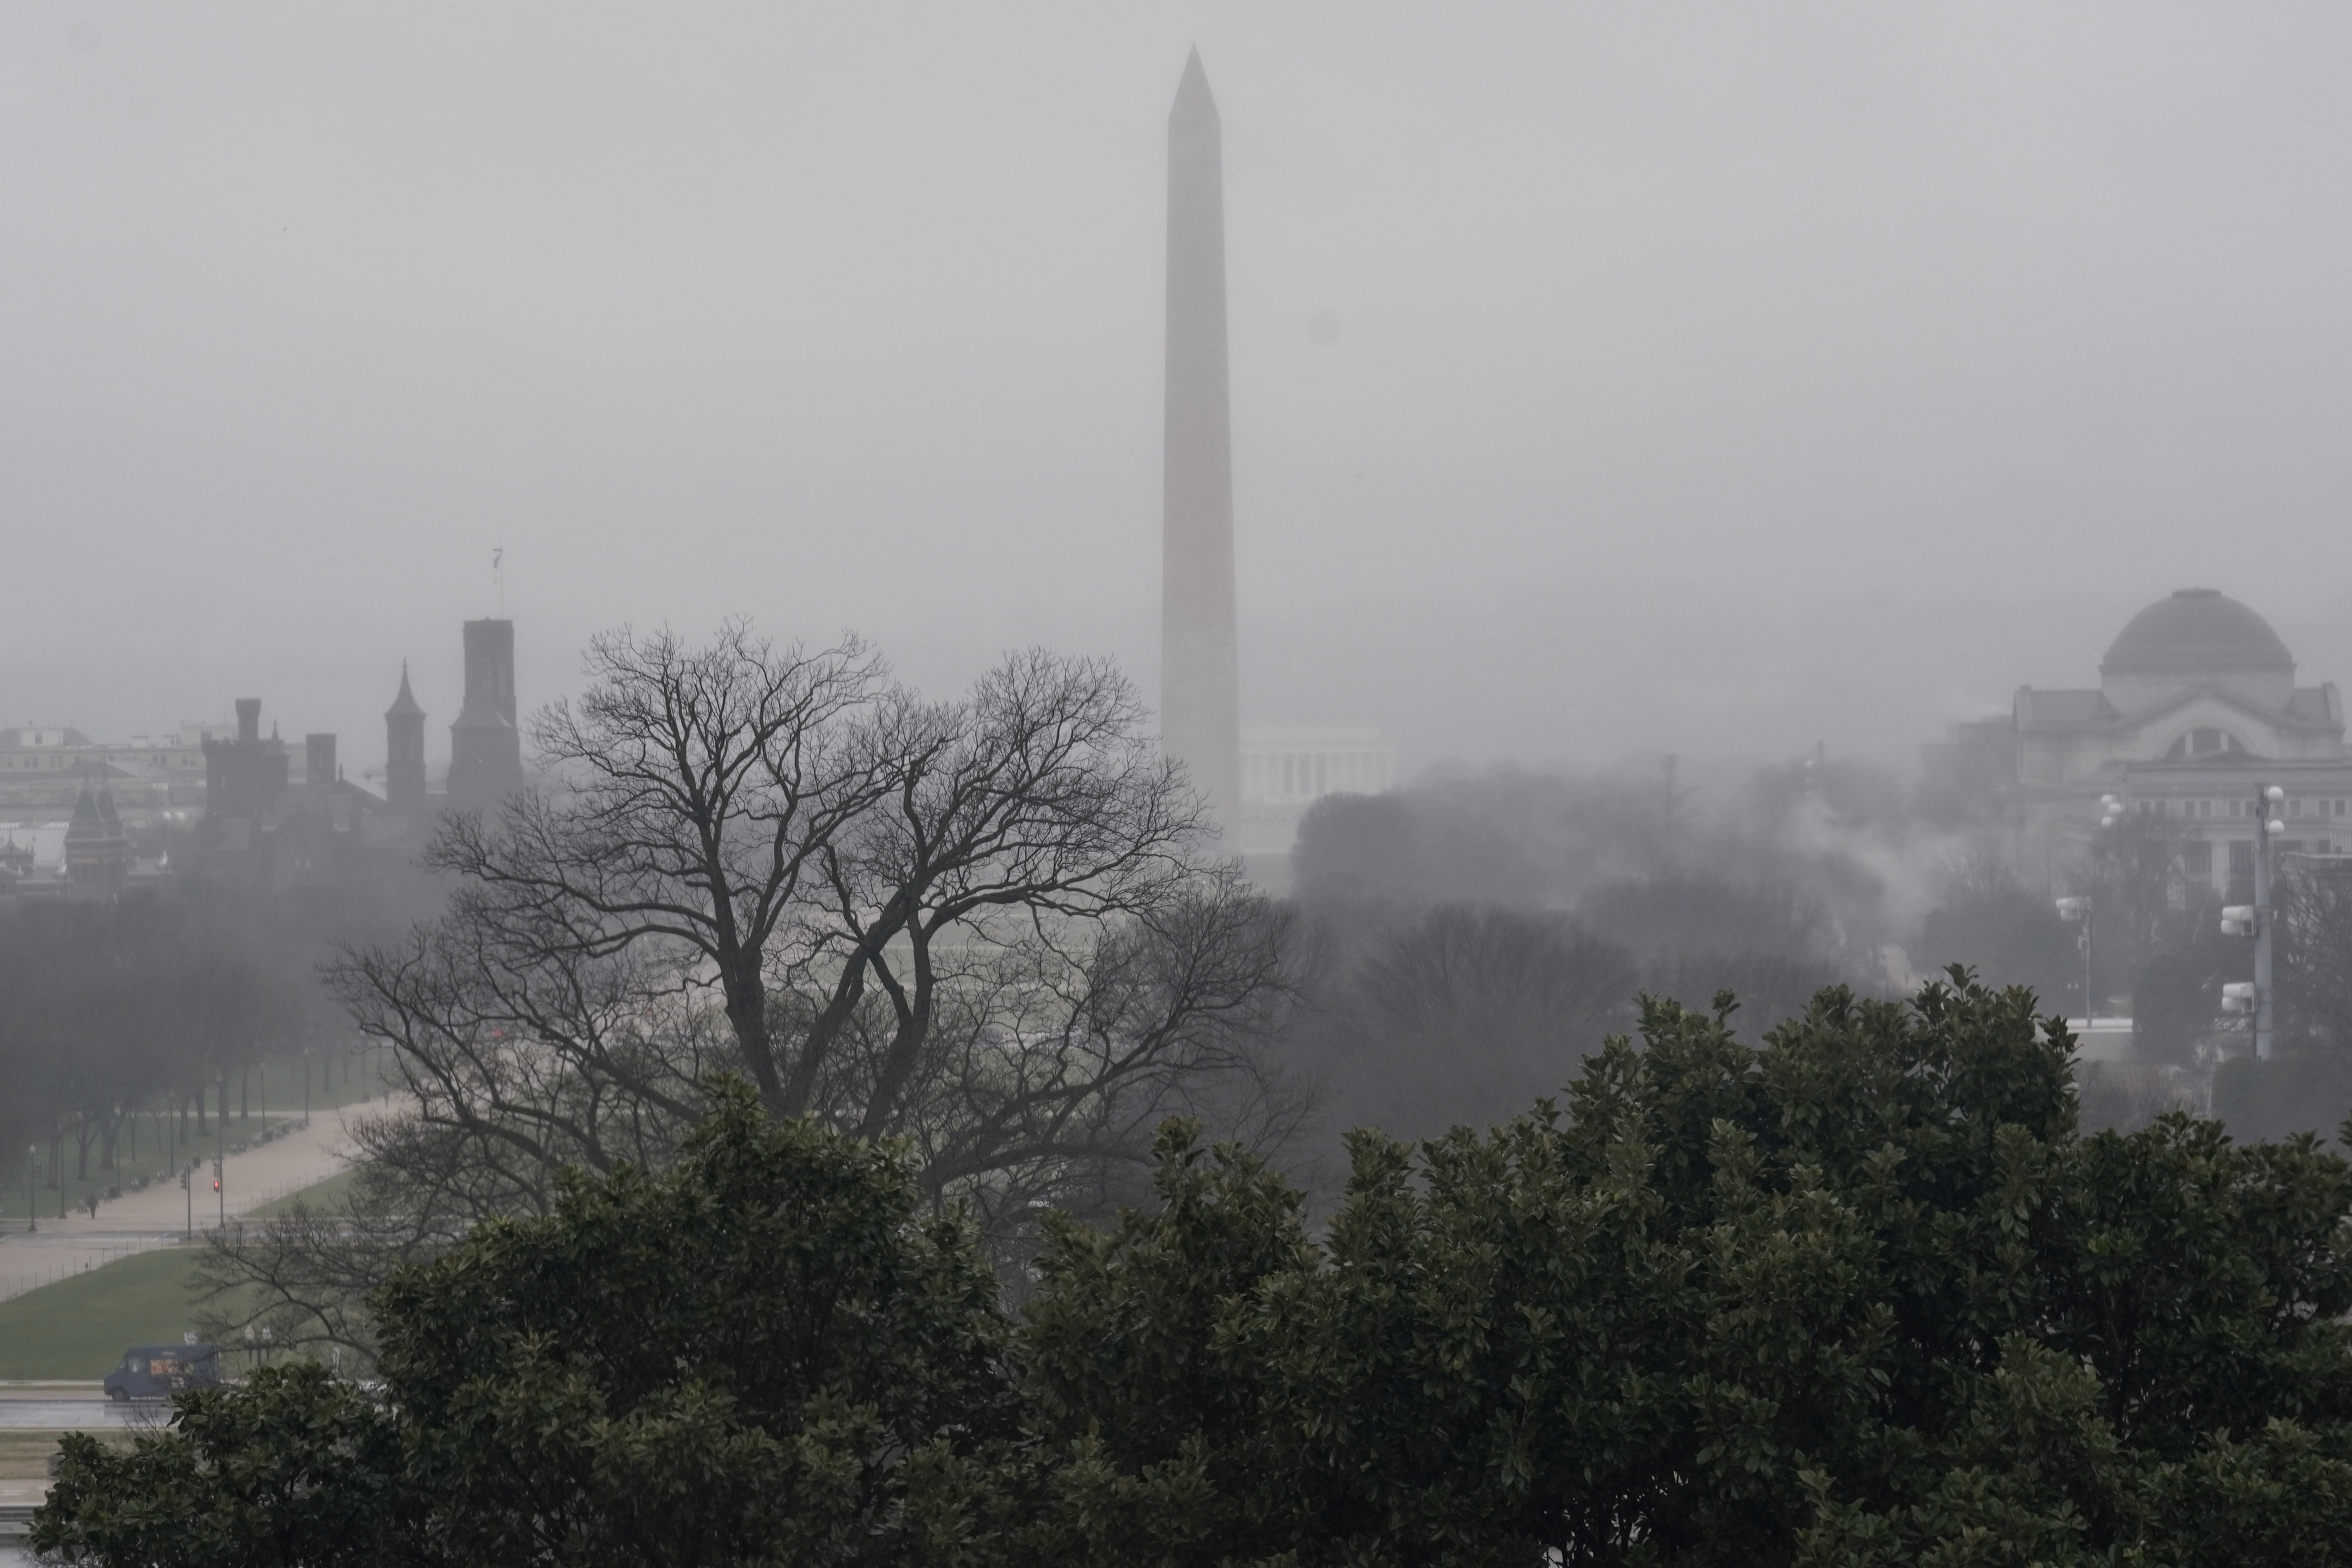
point(2078, 911)
point(2256, 919)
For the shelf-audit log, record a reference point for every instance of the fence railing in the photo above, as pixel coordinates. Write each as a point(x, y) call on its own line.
point(16, 1282)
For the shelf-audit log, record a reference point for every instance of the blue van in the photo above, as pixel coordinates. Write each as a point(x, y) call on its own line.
point(157, 1372)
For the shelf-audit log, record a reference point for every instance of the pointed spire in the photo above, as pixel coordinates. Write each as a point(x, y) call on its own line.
point(1193, 100)
point(404, 705)
point(88, 824)
point(1199, 684)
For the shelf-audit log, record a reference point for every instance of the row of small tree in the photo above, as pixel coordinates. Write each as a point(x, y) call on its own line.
point(113, 1011)
point(147, 1013)
point(1860, 1296)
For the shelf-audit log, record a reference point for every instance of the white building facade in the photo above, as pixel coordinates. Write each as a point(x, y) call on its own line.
point(1285, 768)
point(2197, 707)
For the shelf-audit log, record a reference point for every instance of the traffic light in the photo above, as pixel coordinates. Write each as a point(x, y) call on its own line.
point(2238, 996)
point(216, 1183)
point(2238, 919)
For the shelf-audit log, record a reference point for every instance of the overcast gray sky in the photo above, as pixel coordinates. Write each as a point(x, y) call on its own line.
point(1713, 378)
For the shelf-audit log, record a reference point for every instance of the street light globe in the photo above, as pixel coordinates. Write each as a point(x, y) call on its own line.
point(2275, 794)
point(2106, 822)
point(2275, 826)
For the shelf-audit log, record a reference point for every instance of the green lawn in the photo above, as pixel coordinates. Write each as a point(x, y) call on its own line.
point(80, 1327)
point(320, 1196)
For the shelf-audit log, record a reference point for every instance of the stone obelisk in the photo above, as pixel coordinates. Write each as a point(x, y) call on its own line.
point(1200, 681)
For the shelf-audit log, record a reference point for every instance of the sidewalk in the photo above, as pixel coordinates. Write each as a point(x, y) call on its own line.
point(137, 1222)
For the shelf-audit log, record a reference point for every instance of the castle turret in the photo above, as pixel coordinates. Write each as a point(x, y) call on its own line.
point(244, 777)
point(403, 752)
point(318, 764)
point(485, 747)
point(98, 852)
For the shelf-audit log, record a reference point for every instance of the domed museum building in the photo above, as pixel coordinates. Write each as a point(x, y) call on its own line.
point(2195, 712)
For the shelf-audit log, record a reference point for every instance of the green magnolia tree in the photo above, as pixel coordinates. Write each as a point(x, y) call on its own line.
point(756, 1356)
point(1859, 1295)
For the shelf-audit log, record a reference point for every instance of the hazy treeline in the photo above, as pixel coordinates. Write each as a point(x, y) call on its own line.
point(1467, 942)
point(157, 1001)
point(996, 928)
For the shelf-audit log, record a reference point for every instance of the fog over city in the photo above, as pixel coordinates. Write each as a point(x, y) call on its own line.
point(925, 786)
point(1606, 380)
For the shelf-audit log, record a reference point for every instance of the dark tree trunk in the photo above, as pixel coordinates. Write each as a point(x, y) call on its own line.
point(747, 1012)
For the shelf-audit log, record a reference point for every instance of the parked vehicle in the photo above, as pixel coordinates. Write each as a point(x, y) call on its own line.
point(158, 1371)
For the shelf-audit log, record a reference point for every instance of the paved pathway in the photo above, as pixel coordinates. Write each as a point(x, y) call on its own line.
point(137, 1222)
point(80, 1415)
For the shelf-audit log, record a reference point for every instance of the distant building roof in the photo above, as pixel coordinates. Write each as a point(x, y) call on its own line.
point(95, 820)
point(2316, 704)
point(2196, 629)
point(86, 824)
point(404, 705)
point(2037, 707)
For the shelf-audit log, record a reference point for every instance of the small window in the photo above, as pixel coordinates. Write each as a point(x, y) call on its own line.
point(2205, 742)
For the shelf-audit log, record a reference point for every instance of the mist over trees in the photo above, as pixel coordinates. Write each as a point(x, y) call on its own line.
point(995, 930)
point(158, 1002)
point(1565, 899)
point(1769, 884)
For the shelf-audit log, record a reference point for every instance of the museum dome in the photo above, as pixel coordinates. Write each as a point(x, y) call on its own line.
point(2196, 637)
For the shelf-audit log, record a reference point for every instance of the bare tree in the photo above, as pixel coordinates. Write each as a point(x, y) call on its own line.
point(1047, 1063)
point(2315, 957)
point(1039, 795)
point(695, 791)
point(522, 1058)
point(995, 927)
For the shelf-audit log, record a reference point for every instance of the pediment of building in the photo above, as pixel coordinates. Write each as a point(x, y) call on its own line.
point(2151, 733)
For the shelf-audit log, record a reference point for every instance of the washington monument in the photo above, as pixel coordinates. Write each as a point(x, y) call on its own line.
point(1199, 684)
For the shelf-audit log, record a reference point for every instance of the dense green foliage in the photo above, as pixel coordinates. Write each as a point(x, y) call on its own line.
point(1861, 1295)
point(732, 1362)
